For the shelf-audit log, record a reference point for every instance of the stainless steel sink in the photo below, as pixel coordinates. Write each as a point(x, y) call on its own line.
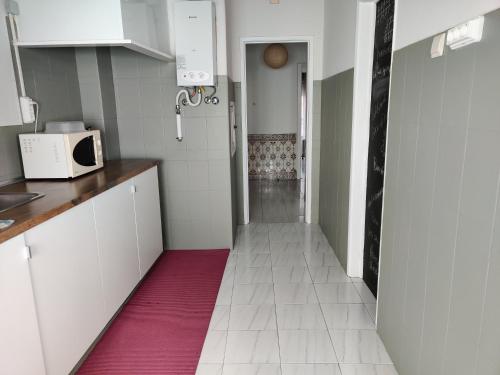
point(11, 200)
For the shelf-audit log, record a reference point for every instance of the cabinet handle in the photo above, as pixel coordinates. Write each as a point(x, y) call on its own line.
point(27, 252)
point(133, 189)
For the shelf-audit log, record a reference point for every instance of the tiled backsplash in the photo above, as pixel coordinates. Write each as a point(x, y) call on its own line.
point(272, 156)
point(131, 98)
point(97, 91)
point(51, 79)
point(195, 180)
point(10, 161)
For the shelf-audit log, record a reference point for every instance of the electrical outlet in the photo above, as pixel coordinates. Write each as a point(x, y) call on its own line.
point(465, 34)
point(27, 109)
point(12, 7)
point(437, 48)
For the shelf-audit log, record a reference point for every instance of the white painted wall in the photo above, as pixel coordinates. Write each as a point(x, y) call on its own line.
point(339, 36)
point(259, 18)
point(272, 93)
point(417, 20)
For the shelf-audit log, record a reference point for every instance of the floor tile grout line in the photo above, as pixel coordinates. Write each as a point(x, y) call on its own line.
point(275, 305)
point(323, 314)
point(373, 318)
point(307, 266)
point(229, 318)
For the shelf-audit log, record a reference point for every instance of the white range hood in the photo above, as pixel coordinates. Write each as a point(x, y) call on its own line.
point(140, 25)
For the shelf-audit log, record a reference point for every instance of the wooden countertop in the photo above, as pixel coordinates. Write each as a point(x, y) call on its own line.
point(61, 195)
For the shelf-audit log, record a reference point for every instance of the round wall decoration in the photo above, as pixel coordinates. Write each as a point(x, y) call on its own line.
point(276, 55)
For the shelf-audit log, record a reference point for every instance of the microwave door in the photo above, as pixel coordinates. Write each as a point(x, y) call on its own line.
point(84, 152)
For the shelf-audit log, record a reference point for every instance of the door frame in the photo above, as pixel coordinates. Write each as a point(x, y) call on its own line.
point(363, 65)
point(244, 116)
point(301, 69)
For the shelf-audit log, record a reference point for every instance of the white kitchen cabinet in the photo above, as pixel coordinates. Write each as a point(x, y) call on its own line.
point(117, 239)
point(148, 218)
point(10, 113)
point(67, 286)
point(84, 264)
point(20, 346)
point(141, 25)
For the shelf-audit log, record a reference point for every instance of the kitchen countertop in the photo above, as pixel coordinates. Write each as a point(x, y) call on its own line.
point(61, 195)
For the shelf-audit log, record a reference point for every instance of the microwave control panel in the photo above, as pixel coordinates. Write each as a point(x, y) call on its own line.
point(43, 155)
point(27, 144)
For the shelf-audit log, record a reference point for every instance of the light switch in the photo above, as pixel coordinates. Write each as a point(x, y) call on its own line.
point(437, 48)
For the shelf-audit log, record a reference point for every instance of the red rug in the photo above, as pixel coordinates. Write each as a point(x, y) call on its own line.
point(162, 328)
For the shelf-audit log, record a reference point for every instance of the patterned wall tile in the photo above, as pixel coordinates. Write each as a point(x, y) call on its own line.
point(272, 156)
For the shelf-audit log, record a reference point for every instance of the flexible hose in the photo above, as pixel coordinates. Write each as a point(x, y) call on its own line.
point(184, 92)
point(179, 126)
point(188, 98)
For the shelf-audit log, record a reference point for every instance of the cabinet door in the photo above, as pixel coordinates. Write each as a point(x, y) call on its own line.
point(10, 113)
point(117, 239)
point(148, 218)
point(67, 288)
point(20, 346)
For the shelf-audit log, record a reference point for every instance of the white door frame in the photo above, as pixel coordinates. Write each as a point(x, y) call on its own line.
point(363, 63)
point(244, 114)
point(301, 68)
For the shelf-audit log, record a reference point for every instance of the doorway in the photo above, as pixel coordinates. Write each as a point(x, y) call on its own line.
point(382, 60)
point(276, 124)
point(276, 113)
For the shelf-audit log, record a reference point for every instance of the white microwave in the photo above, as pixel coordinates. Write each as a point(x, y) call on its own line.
point(61, 155)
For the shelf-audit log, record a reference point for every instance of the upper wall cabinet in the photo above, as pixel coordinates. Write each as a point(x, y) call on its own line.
point(10, 113)
point(140, 25)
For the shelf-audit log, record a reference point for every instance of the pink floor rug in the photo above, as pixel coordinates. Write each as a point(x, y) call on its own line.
point(162, 328)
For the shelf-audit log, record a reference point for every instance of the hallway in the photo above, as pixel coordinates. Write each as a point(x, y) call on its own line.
point(276, 201)
point(286, 307)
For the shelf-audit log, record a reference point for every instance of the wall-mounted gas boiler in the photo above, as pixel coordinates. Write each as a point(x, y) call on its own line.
point(195, 43)
point(195, 55)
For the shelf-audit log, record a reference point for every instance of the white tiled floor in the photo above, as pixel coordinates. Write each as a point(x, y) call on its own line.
point(286, 307)
point(276, 201)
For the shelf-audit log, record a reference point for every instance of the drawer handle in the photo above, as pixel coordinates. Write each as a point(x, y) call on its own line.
point(27, 252)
